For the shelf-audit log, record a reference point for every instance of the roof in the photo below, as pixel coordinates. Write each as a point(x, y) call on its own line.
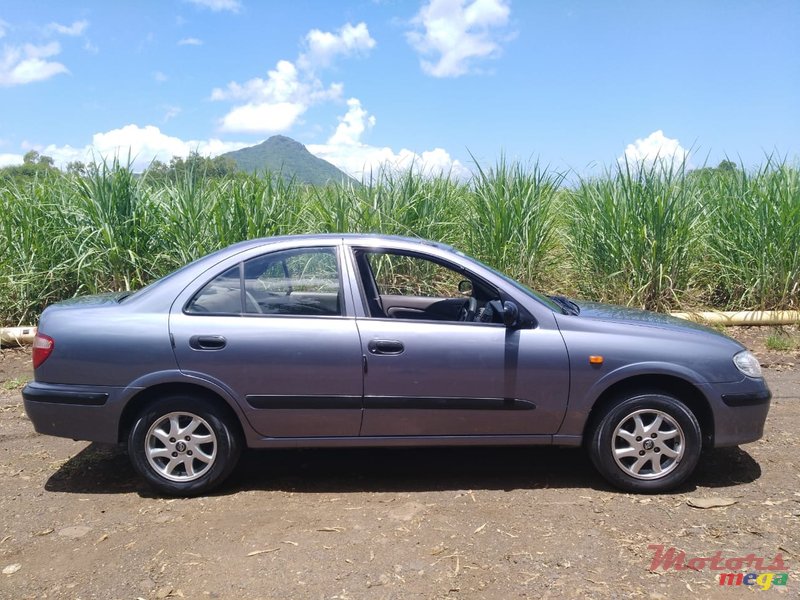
point(336, 236)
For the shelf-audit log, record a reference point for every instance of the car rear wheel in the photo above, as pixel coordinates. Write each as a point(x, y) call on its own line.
point(646, 443)
point(183, 446)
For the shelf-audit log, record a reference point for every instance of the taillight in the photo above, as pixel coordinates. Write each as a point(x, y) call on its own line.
point(42, 347)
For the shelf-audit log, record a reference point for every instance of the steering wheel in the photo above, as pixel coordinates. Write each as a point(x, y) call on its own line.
point(468, 310)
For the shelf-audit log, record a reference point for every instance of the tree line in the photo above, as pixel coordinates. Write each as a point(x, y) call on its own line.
point(35, 165)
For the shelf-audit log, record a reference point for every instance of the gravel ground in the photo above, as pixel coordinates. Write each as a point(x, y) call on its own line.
point(76, 522)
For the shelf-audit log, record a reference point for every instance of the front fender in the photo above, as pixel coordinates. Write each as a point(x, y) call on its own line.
point(641, 368)
point(592, 383)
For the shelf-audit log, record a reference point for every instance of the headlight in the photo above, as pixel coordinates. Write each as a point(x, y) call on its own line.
point(747, 364)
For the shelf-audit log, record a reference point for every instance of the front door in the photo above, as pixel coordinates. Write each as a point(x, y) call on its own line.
point(434, 369)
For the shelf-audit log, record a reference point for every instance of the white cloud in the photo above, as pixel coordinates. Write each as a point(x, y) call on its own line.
point(43, 51)
point(3, 28)
point(218, 5)
point(456, 33)
point(352, 125)
point(363, 160)
point(20, 65)
point(322, 47)
point(160, 76)
point(7, 160)
point(190, 41)
point(271, 105)
point(171, 112)
point(266, 117)
point(656, 147)
point(276, 103)
point(77, 28)
point(346, 150)
point(144, 144)
point(281, 85)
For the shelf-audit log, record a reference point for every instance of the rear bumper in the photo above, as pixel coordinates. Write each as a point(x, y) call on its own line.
point(73, 411)
point(740, 411)
point(60, 394)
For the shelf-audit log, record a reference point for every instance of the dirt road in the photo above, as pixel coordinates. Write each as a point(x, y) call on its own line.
point(75, 521)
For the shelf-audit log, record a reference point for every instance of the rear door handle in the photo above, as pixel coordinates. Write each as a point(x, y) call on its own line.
point(207, 342)
point(385, 347)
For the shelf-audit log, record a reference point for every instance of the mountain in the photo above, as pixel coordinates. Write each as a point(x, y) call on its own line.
point(282, 154)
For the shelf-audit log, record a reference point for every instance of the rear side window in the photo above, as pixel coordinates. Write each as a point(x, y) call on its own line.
point(221, 296)
point(302, 282)
point(294, 282)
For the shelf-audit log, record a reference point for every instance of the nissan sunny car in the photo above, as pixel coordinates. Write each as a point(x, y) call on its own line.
point(365, 340)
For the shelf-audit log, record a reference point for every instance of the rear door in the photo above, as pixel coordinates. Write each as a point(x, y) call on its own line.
point(275, 331)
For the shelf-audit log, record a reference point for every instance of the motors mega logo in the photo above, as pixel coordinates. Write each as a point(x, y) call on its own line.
point(775, 570)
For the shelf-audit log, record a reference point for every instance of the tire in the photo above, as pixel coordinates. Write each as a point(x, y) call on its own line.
point(183, 445)
point(636, 454)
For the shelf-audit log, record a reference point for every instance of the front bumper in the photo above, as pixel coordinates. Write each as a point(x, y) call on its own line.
point(740, 411)
point(73, 411)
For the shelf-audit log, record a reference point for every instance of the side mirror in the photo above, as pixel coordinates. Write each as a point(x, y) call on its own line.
point(510, 314)
point(465, 287)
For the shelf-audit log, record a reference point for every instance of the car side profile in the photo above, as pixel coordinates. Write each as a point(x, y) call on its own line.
point(365, 340)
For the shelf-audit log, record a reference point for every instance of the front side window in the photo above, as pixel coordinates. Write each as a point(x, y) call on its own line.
point(402, 275)
point(408, 286)
point(290, 282)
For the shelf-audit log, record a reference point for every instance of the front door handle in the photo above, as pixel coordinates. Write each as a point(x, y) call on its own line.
point(207, 342)
point(385, 347)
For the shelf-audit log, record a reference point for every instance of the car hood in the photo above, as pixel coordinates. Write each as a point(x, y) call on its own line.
point(635, 316)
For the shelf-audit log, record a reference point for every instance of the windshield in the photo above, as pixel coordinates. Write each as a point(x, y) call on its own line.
point(523, 288)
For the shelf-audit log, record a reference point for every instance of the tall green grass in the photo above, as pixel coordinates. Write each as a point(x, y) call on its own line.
point(36, 233)
point(634, 235)
point(112, 220)
point(654, 237)
point(510, 220)
point(752, 258)
point(398, 204)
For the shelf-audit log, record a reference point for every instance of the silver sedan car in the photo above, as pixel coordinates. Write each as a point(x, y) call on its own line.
point(366, 340)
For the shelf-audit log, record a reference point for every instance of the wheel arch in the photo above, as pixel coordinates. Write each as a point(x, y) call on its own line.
point(684, 390)
point(137, 403)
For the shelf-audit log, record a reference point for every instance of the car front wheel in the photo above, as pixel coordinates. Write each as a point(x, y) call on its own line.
point(646, 443)
point(183, 446)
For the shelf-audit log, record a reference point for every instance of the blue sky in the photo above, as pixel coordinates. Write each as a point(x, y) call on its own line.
point(575, 84)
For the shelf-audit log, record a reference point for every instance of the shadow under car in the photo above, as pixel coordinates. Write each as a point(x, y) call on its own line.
point(103, 469)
